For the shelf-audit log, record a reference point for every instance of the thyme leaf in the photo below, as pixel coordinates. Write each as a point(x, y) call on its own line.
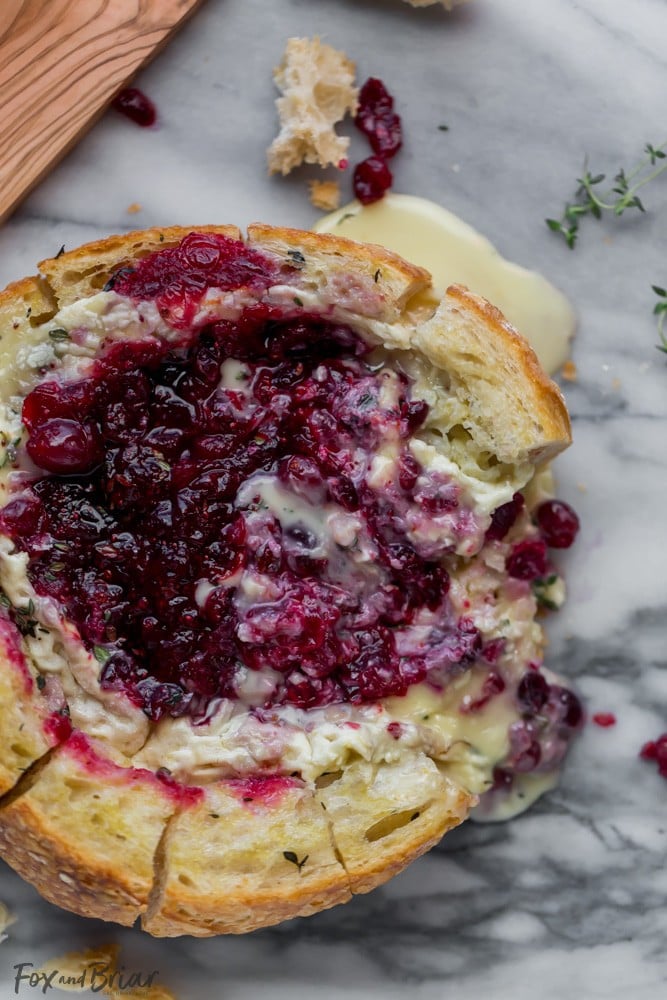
point(293, 859)
point(590, 200)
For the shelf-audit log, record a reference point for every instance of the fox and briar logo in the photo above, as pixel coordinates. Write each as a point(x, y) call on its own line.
point(96, 977)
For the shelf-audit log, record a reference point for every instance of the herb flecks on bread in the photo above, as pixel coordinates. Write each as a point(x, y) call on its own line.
point(272, 553)
point(317, 86)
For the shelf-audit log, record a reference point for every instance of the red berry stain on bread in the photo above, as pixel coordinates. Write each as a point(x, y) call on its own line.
point(134, 104)
point(176, 278)
point(58, 727)
point(82, 748)
point(264, 789)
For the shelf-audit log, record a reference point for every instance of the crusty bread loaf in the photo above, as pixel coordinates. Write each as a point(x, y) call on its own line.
point(101, 836)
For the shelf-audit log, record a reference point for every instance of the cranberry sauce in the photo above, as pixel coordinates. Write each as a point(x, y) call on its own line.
point(177, 278)
point(153, 533)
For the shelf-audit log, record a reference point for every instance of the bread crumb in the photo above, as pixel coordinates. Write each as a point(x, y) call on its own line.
point(133, 208)
point(317, 86)
point(325, 195)
point(6, 920)
point(97, 969)
point(569, 371)
point(582, 487)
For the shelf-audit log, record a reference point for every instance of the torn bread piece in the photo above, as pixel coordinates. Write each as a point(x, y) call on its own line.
point(316, 82)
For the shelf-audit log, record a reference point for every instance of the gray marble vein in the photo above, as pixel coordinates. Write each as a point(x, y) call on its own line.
point(569, 899)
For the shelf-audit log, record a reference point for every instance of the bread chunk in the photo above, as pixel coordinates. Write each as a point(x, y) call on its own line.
point(325, 195)
point(317, 86)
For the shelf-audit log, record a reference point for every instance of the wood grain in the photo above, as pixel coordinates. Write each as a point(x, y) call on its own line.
point(61, 62)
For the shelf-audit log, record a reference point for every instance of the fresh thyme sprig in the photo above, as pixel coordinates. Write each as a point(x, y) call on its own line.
point(660, 310)
point(621, 196)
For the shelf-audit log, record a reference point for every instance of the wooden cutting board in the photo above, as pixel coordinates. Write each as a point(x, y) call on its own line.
point(61, 62)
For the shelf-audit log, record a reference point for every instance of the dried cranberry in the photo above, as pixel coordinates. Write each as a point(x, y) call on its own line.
point(532, 692)
point(504, 517)
point(372, 180)
point(492, 686)
point(134, 104)
point(528, 560)
point(558, 523)
point(377, 120)
point(568, 705)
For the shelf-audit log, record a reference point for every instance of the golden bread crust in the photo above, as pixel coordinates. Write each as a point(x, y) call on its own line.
point(86, 839)
point(517, 409)
point(232, 864)
point(86, 270)
point(401, 811)
point(111, 842)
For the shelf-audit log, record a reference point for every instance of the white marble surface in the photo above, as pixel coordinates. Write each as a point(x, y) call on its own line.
point(568, 900)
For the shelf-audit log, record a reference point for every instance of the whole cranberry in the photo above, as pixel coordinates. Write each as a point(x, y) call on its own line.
point(65, 447)
point(569, 706)
point(504, 517)
point(558, 523)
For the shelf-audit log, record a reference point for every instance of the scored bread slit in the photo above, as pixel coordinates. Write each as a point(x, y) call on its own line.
point(27, 779)
point(160, 871)
point(335, 776)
